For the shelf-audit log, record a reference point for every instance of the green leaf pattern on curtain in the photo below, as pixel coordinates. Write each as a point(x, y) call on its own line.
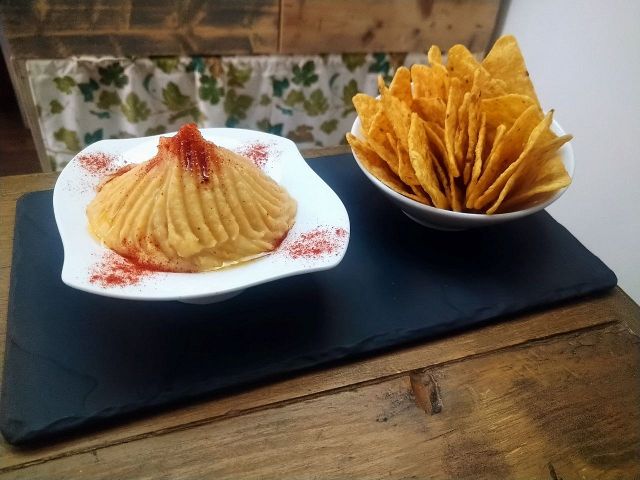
point(305, 98)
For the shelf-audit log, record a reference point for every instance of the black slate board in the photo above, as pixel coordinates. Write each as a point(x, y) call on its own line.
point(74, 359)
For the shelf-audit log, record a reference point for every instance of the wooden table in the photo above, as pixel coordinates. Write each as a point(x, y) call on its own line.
point(551, 394)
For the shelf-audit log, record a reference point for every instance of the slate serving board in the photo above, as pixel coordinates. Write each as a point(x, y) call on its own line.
point(74, 359)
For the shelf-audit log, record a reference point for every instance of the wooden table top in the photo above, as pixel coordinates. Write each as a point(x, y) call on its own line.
point(551, 394)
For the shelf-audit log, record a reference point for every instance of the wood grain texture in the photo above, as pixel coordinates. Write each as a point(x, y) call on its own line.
point(568, 403)
point(582, 316)
point(60, 28)
point(327, 26)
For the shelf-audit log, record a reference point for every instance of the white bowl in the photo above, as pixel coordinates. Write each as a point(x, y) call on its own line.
point(318, 208)
point(447, 220)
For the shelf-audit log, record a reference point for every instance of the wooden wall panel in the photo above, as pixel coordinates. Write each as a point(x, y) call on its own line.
point(59, 28)
point(321, 26)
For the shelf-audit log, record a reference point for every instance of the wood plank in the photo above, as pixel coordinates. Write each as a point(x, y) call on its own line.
point(61, 28)
point(564, 407)
point(325, 26)
point(390, 365)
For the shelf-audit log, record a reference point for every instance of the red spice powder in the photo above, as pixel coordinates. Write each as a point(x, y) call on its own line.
point(97, 163)
point(115, 271)
point(257, 152)
point(316, 243)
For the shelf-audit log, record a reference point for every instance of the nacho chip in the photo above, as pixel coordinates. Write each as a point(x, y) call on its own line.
point(538, 184)
point(421, 195)
point(473, 189)
point(382, 87)
point(505, 62)
point(366, 107)
point(455, 193)
point(478, 159)
point(386, 153)
point(533, 156)
point(535, 145)
point(430, 109)
point(378, 168)
point(422, 81)
point(438, 152)
point(461, 137)
point(489, 86)
point(434, 55)
point(405, 169)
point(401, 85)
point(421, 160)
point(511, 146)
point(441, 82)
point(505, 109)
point(474, 116)
point(450, 126)
point(378, 141)
point(462, 64)
point(399, 115)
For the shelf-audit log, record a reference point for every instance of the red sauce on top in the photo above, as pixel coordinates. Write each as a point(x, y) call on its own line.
point(195, 153)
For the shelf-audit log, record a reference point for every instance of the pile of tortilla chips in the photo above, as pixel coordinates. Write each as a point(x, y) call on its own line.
point(464, 136)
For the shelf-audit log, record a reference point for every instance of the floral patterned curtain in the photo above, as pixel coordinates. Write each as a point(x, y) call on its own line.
point(82, 100)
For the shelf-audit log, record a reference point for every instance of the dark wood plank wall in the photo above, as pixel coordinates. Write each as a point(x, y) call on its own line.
point(31, 29)
point(60, 28)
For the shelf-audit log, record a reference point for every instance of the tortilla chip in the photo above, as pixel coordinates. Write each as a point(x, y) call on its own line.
point(461, 137)
point(535, 147)
point(532, 158)
point(405, 170)
point(478, 159)
point(377, 167)
point(379, 142)
point(430, 109)
point(434, 55)
point(421, 195)
point(382, 87)
point(505, 62)
point(537, 185)
point(451, 124)
point(401, 85)
point(438, 153)
point(462, 64)
point(473, 189)
point(455, 194)
point(507, 151)
point(399, 115)
point(366, 107)
point(505, 109)
point(421, 160)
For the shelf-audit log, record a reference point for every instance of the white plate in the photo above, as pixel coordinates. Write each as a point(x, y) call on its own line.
point(319, 208)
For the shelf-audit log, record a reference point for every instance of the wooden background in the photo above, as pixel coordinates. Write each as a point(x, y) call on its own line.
point(46, 29)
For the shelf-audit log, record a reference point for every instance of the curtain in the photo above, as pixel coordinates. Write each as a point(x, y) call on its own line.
point(307, 99)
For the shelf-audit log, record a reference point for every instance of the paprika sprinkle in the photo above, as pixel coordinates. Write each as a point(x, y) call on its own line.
point(115, 271)
point(257, 152)
point(97, 163)
point(315, 243)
